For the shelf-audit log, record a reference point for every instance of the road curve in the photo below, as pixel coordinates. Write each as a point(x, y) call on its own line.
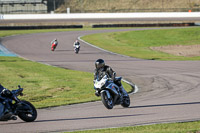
point(169, 90)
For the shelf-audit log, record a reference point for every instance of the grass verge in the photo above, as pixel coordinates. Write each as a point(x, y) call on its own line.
point(137, 43)
point(45, 85)
point(4, 33)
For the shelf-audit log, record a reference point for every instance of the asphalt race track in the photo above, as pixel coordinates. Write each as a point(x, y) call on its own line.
point(169, 90)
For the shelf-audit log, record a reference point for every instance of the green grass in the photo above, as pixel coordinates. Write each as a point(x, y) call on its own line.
point(45, 85)
point(137, 43)
point(187, 127)
point(4, 33)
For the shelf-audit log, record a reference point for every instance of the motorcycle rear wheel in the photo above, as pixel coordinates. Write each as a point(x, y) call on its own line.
point(108, 103)
point(27, 116)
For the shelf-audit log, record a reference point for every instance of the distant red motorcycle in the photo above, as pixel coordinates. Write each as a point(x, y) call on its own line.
point(53, 47)
point(54, 44)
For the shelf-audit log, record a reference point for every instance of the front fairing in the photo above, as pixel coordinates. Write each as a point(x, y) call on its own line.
point(106, 84)
point(77, 46)
point(101, 83)
point(113, 88)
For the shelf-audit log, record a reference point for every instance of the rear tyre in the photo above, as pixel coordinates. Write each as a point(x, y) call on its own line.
point(29, 114)
point(108, 103)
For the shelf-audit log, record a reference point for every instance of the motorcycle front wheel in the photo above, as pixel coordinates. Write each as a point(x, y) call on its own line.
point(76, 51)
point(108, 102)
point(126, 101)
point(29, 114)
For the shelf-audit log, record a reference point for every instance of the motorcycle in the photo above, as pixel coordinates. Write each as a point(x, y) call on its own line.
point(21, 108)
point(111, 94)
point(53, 46)
point(76, 49)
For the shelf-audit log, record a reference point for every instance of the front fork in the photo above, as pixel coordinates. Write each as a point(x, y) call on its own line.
point(116, 93)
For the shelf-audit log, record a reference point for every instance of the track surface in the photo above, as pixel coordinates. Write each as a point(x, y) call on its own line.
point(169, 90)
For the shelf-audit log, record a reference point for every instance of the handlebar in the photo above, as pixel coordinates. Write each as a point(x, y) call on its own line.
point(18, 91)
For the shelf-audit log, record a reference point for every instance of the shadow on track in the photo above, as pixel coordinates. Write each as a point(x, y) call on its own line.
point(83, 118)
point(160, 105)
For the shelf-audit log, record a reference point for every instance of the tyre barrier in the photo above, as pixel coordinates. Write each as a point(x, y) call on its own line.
point(39, 27)
point(143, 25)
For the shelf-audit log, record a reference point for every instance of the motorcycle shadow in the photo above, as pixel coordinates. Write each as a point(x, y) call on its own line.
point(164, 105)
point(81, 118)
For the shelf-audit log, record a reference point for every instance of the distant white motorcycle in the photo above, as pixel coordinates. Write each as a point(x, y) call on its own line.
point(110, 92)
point(76, 48)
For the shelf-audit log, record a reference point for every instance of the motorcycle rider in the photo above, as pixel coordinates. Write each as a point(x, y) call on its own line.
point(54, 43)
point(101, 70)
point(4, 93)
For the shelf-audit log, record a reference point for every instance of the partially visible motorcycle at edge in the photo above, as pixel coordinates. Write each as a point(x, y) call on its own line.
point(21, 108)
point(110, 93)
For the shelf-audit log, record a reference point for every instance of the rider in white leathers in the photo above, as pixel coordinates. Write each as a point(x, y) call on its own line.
point(76, 43)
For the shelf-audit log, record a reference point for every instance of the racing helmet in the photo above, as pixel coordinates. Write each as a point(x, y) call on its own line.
point(99, 63)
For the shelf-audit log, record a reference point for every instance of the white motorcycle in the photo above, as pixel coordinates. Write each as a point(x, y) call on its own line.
point(110, 93)
point(76, 48)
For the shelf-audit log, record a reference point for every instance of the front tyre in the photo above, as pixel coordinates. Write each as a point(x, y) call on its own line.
point(76, 51)
point(126, 101)
point(29, 113)
point(108, 102)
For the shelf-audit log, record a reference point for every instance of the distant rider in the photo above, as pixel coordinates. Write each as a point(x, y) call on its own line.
point(101, 70)
point(4, 94)
point(54, 44)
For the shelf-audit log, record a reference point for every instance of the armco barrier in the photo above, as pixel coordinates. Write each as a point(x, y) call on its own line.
point(101, 15)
